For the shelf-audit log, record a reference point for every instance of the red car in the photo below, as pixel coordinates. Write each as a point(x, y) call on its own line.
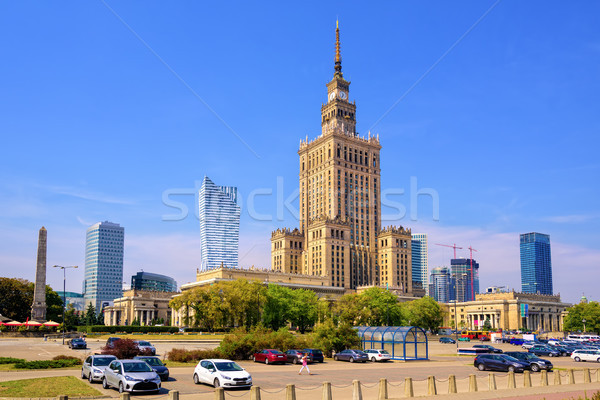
point(270, 356)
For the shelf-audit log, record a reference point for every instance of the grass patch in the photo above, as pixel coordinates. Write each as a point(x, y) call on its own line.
point(47, 387)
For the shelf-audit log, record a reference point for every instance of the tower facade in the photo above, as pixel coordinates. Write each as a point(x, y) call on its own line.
point(536, 263)
point(420, 260)
point(440, 284)
point(38, 308)
point(464, 280)
point(103, 264)
point(219, 215)
point(340, 201)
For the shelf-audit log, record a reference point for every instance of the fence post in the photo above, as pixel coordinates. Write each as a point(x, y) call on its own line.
point(511, 380)
point(255, 393)
point(526, 379)
point(290, 392)
point(125, 396)
point(472, 383)
point(431, 389)
point(586, 376)
point(492, 381)
point(356, 392)
point(408, 388)
point(383, 389)
point(557, 378)
point(219, 393)
point(174, 395)
point(544, 377)
point(452, 384)
point(326, 391)
point(571, 376)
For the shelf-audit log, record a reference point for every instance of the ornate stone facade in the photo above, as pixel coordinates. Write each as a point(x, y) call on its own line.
point(395, 263)
point(140, 305)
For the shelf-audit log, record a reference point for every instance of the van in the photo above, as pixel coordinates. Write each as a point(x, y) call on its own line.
point(576, 338)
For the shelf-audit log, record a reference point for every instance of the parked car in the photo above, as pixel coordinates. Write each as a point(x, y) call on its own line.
point(490, 349)
point(351, 355)
point(77, 343)
point(93, 367)
point(447, 340)
point(270, 356)
point(564, 350)
point(544, 350)
point(221, 373)
point(157, 365)
point(464, 339)
point(145, 347)
point(528, 344)
point(316, 354)
point(378, 355)
point(585, 355)
point(111, 341)
point(535, 363)
point(499, 362)
point(516, 342)
point(131, 376)
point(295, 356)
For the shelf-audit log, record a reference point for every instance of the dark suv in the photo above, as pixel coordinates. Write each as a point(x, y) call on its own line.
point(499, 362)
point(535, 363)
point(317, 355)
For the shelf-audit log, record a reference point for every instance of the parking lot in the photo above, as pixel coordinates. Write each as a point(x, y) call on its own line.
point(273, 378)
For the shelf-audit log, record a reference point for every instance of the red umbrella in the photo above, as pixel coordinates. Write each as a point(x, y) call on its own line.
point(13, 323)
point(51, 323)
point(33, 323)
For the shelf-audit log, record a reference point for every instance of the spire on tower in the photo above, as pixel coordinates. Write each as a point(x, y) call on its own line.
point(338, 56)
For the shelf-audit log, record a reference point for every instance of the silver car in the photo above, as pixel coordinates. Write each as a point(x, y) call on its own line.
point(131, 376)
point(93, 367)
point(145, 347)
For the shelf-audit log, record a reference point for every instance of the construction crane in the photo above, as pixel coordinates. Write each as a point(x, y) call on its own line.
point(454, 246)
point(471, 250)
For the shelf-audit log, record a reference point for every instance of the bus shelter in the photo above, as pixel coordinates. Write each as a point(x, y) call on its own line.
point(402, 342)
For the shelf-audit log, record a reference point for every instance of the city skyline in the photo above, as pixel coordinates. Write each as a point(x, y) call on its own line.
point(514, 93)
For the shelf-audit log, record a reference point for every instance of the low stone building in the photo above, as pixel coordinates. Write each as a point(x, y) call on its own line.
point(508, 311)
point(143, 306)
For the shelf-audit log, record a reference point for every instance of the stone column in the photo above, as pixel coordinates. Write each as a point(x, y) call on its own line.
point(38, 308)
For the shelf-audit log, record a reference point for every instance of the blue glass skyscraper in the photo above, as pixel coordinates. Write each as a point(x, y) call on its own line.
point(536, 265)
point(420, 269)
point(103, 264)
point(439, 288)
point(464, 283)
point(219, 225)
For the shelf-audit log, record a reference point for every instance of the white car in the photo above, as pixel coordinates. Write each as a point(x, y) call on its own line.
point(586, 355)
point(221, 373)
point(93, 367)
point(378, 355)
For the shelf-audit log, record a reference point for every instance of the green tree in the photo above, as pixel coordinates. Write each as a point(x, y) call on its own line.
point(577, 313)
point(16, 298)
point(425, 313)
point(303, 309)
point(90, 317)
point(278, 305)
point(375, 307)
point(72, 317)
point(329, 337)
point(54, 305)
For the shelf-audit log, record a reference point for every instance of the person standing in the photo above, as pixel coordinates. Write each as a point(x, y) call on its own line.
point(304, 365)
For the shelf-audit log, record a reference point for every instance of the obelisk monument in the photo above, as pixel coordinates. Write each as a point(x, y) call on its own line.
point(38, 309)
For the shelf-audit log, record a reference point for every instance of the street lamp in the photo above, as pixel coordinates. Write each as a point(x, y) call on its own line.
point(583, 320)
point(64, 296)
point(457, 280)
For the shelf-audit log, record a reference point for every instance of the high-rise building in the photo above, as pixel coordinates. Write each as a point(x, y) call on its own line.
point(155, 282)
point(536, 264)
point(464, 281)
point(219, 225)
point(439, 288)
point(340, 234)
point(420, 268)
point(103, 264)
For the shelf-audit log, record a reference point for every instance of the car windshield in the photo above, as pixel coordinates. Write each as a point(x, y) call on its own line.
point(143, 343)
point(228, 366)
point(509, 358)
point(77, 340)
point(155, 362)
point(137, 367)
point(102, 361)
point(316, 352)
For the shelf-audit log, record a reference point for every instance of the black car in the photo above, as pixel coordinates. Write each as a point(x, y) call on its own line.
point(295, 356)
point(351, 355)
point(535, 363)
point(544, 350)
point(499, 362)
point(77, 343)
point(447, 340)
point(316, 354)
point(564, 350)
point(490, 349)
point(157, 365)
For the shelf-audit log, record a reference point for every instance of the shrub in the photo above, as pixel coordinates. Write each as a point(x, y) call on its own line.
point(10, 360)
point(45, 364)
point(64, 357)
point(329, 337)
point(183, 355)
point(241, 344)
point(123, 349)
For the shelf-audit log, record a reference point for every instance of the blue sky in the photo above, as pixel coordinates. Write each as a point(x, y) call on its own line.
point(107, 107)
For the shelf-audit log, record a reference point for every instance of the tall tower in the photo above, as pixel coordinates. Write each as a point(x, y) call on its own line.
point(340, 191)
point(536, 263)
point(38, 308)
point(420, 262)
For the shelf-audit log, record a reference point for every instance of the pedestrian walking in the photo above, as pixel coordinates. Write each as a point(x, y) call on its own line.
point(304, 365)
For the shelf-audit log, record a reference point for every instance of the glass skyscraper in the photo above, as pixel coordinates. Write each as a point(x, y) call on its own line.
point(219, 225)
point(103, 264)
point(464, 283)
point(156, 282)
point(439, 288)
point(536, 265)
point(420, 268)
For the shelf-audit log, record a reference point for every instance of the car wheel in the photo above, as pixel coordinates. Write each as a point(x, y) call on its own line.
point(373, 359)
point(535, 368)
point(511, 369)
point(598, 360)
point(254, 359)
point(105, 384)
point(335, 358)
point(351, 359)
point(481, 367)
point(320, 361)
point(90, 378)
point(216, 383)
point(121, 388)
point(196, 380)
point(295, 360)
point(82, 374)
point(266, 361)
point(577, 359)
point(551, 355)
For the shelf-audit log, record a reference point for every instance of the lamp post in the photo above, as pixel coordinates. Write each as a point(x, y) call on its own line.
point(583, 320)
point(462, 277)
point(64, 296)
